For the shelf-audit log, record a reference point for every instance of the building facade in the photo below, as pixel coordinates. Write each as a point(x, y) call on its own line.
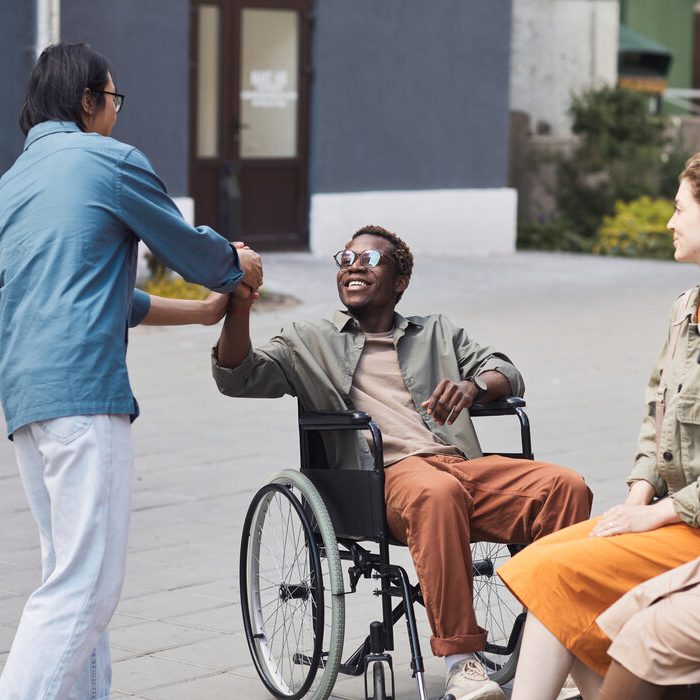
point(290, 123)
point(560, 48)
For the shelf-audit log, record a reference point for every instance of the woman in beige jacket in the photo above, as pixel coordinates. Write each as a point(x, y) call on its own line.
point(567, 579)
point(655, 632)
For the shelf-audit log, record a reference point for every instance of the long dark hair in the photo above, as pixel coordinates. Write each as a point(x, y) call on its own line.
point(57, 83)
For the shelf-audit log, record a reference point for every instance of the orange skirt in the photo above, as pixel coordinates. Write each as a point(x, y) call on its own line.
point(568, 578)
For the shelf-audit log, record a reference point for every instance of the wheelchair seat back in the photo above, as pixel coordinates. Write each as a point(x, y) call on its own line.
point(354, 498)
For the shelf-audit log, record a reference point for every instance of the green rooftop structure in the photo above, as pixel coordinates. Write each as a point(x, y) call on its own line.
point(654, 34)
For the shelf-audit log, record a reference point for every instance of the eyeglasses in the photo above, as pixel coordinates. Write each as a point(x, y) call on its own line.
point(368, 258)
point(118, 99)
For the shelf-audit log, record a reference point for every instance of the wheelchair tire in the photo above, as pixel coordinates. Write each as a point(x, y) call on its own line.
point(378, 681)
point(497, 611)
point(291, 585)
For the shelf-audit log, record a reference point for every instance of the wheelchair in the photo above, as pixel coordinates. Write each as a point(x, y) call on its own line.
point(301, 526)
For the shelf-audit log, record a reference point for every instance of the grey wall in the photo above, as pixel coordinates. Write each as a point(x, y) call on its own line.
point(147, 43)
point(410, 94)
point(16, 58)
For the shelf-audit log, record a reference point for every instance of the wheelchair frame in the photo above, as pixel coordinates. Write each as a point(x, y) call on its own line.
point(334, 527)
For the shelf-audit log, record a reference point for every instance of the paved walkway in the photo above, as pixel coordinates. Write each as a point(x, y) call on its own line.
point(584, 331)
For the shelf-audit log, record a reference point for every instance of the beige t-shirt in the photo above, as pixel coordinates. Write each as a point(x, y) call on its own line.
point(378, 389)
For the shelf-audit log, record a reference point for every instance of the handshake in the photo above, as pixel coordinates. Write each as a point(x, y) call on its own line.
point(246, 293)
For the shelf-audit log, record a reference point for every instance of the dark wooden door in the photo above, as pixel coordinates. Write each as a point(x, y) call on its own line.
point(249, 87)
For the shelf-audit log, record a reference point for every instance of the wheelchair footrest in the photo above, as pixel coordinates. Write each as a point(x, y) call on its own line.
point(355, 665)
point(305, 660)
point(512, 641)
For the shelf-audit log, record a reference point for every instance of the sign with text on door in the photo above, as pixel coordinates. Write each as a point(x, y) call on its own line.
point(269, 89)
point(269, 83)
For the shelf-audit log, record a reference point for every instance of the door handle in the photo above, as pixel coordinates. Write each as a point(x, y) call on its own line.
point(237, 125)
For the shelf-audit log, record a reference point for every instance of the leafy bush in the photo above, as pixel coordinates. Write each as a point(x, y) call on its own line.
point(174, 287)
point(551, 235)
point(638, 229)
point(621, 157)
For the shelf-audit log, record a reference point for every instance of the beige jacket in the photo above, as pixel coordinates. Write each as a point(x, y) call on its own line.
point(655, 627)
point(675, 469)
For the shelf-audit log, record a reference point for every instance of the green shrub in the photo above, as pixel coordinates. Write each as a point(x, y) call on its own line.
point(638, 229)
point(621, 156)
point(174, 287)
point(551, 235)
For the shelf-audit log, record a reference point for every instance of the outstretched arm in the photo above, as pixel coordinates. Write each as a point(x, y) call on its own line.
point(234, 341)
point(199, 254)
point(164, 311)
point(175, 312)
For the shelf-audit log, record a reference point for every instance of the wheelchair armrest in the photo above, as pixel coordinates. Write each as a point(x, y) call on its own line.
point(320, 421)
point(334, 420)
point(504, 406)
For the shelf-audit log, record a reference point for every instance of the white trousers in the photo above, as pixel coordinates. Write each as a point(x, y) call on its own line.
point(77, 474)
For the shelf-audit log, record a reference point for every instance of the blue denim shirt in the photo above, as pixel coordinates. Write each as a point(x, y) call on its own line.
point(72, 209)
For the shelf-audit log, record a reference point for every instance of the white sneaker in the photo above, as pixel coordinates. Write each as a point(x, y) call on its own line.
point(569, 690)
point(467, 680)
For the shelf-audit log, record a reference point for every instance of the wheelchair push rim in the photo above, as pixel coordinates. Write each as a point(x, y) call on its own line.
point(291, 594)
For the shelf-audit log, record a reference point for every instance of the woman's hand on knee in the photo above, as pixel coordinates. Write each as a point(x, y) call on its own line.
point(635, 518)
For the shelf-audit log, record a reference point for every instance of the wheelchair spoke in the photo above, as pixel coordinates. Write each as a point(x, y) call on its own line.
point(275, 547)
point(279, 639)
point(281, 547)
point(264, 589)
point(496, 608)
point(299, 636)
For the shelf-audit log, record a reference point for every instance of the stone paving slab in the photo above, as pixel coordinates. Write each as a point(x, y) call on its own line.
point(585, 332)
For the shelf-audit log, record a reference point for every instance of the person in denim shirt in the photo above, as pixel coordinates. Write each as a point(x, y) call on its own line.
point(72, 210)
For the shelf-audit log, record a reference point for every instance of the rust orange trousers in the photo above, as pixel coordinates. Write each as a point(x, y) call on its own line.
point(438, 505)
point(585, 575)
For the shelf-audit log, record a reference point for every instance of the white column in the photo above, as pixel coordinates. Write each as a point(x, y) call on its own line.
point(48, 24)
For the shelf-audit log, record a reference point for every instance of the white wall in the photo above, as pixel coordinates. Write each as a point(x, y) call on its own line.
point(560, 48)
point(449, 222)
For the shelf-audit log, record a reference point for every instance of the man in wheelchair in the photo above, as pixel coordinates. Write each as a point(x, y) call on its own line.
point(416, 377)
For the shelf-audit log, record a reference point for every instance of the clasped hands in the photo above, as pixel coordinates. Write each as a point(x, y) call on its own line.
point(246, 293)
point(251, 265)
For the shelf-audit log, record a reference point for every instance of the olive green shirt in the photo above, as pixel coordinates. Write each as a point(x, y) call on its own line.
point(316, 361)
point(675, 470)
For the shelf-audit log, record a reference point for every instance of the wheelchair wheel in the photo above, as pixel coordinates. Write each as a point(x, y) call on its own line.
point(292, 589)
point(497, 610)
point(378, 682)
